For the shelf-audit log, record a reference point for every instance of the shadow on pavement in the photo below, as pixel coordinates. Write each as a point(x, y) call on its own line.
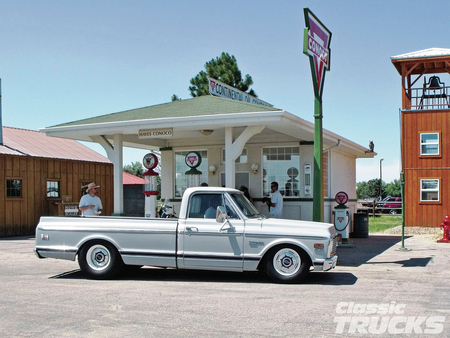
point(412, 262)
point(173, 275)
point(364, 249)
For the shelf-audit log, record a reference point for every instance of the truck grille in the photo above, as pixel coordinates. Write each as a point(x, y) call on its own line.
point(332, 247)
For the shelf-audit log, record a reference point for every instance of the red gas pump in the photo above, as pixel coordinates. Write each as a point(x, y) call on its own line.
point(151, 185)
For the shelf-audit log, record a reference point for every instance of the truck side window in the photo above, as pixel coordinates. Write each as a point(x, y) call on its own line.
point(204, 205)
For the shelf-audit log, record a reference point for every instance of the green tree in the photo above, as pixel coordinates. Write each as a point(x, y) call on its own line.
point(394, 188)
point(225, 69)
point(175, 98)
point(370, 189)
point(135, 168)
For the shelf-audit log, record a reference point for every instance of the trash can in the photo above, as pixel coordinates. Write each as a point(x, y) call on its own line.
point(360, 225)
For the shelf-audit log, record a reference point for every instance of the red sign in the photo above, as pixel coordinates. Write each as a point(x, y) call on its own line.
point(150, 161)
point(316, 44)
point(341, 198)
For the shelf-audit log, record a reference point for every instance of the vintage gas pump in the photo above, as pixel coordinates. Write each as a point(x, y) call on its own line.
point(193, 160)
point(341, 215)
point(151, 189)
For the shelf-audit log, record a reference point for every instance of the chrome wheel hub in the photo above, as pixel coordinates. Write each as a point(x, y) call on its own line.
point(287, 261)
point(98, 257)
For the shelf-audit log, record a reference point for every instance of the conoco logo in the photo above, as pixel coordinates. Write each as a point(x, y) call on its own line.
point(317, 46)
point(341, 197)
point(192, 159)
point(213, 85)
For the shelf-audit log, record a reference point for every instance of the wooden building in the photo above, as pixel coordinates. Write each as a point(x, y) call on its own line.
point(425, 128)
point(41, 176)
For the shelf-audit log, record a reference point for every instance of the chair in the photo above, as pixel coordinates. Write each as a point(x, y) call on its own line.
point(434, 89)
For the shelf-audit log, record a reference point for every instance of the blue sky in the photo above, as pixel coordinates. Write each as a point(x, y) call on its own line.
point(65, 60)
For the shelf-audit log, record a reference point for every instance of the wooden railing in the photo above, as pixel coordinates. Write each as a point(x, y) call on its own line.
point(430, 98)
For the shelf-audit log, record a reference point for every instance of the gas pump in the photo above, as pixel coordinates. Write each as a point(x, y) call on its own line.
point(193, 160)
point(342, 216)
point(151, 188)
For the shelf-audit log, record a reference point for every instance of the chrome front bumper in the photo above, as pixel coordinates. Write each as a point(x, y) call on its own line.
point(327, 264)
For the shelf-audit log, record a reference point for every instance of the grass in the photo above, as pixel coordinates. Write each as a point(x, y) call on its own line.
point(380, 223)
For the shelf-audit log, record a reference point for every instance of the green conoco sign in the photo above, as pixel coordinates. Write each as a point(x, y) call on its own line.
point(316, 45)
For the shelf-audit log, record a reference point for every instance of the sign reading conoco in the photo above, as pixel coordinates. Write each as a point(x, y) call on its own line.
point(316, 44)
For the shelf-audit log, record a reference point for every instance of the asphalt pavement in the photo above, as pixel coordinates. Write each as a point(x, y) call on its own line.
point(376, 290)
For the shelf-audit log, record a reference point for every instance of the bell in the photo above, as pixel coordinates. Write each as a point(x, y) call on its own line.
point(434, 83)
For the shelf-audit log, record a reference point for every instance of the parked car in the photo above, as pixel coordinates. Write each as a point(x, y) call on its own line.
point(392, 205)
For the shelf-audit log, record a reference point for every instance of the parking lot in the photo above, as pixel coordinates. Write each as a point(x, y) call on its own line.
point(52, 298)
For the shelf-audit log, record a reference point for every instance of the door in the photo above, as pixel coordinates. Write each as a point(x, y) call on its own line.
point(208, 244)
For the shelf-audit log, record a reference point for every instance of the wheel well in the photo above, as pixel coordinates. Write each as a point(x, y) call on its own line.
point(262, 262)
point(99, 241)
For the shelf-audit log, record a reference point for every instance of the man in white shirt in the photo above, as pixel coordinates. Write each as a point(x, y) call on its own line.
point(90, 204)
point(276, 201)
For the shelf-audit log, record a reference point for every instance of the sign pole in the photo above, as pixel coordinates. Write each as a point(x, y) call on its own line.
point(318, 194)
point(316, 45)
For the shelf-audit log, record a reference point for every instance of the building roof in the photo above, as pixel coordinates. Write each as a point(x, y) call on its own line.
point(424, 53)
point(426, 61)
point(187, 118)
point(132, 179)
point(198, 106)
point(23, 142)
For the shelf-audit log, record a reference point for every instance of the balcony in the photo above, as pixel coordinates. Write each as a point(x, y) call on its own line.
point(433, 95)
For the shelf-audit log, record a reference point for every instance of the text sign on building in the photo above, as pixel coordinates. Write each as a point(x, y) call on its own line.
point(155, 133)
point(70, 210)
point(221, 89)
point(316, 44)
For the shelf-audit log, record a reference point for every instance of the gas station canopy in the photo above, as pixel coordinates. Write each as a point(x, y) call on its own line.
point(192, 119)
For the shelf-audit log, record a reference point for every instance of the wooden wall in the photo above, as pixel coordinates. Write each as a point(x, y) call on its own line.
point(19, 216)
point(416, 167)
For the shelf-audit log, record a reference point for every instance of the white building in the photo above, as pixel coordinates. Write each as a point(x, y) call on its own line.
point(263, 144)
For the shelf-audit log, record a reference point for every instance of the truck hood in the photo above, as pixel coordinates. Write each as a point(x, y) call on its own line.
point(297, 228)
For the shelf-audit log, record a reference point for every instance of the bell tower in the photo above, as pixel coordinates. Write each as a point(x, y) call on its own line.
point(425, 135)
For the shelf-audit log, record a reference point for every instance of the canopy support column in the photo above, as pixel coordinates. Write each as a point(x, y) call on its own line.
point(115, 155)
point(233, 149)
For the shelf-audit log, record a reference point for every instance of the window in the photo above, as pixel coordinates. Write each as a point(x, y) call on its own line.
point(13, 188)
point(429, 144)
point(204, 205)
point(240, 179)
point(281, 165)
point(53, 189)
point(241, 159)
point(429, 190)
point(181, 180)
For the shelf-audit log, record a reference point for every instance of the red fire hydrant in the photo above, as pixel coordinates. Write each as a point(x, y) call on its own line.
point(446, 226)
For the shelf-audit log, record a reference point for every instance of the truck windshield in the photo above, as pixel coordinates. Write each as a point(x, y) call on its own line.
point(247, 208)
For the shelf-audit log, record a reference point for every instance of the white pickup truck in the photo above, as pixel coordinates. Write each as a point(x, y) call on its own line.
point(236, 238)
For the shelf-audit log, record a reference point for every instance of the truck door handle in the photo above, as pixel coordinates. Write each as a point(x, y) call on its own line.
point(193, 229)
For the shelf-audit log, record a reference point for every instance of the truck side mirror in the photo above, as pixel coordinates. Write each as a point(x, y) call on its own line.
point(221, 214)
point(221, 217)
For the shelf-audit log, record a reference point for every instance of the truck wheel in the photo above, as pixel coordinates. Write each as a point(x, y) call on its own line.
point(100, 260)
point(287, 264)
